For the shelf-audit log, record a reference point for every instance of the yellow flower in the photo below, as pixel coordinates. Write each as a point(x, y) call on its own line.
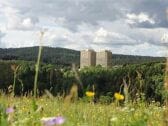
point(119, 96)
point(90, 94)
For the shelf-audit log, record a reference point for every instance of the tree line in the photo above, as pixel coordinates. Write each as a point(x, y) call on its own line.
point(146, 79)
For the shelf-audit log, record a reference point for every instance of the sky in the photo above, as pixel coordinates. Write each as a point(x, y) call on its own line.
point(133, 27)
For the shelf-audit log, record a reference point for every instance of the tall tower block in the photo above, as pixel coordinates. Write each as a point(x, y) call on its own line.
point(104, 58)
point(87, 58)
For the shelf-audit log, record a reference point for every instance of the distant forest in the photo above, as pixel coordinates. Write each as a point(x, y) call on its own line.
point(65, 57)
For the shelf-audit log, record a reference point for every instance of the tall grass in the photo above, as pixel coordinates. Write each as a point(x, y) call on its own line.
point(15, 69)
point(38, 65)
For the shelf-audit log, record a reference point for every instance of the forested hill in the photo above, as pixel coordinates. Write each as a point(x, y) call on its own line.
point(51, 55)
point(65, 57)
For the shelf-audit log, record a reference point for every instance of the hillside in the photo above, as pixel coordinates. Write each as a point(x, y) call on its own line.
point(49, 55)
point(66, 57)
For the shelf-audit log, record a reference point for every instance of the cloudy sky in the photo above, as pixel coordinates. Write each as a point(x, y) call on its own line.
point(136, 27)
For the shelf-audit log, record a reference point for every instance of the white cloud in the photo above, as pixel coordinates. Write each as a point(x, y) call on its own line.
point(141, 49)
point(139, 18)
point(155, 36)
point(1, 36)
point(16, 21)
point(162, 52)
point(60, 20)
point(29, 23)
point(23, 39)
point(57, 37)
point(109, 37)
point(164, 38)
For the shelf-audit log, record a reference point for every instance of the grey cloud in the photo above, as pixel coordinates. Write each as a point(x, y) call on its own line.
point(155, 8)
point(145, 25)
point(92, 11)
point(74, 11)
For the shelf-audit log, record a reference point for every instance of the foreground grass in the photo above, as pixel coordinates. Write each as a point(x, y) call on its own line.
point(82, 113)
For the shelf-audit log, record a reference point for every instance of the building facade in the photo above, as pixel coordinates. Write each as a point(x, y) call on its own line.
point(87, 58)
point(104, 58)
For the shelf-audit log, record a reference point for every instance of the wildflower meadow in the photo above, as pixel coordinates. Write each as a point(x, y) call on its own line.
point(53, 111)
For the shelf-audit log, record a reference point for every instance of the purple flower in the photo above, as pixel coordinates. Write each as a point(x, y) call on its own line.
point(10, 110)
point(51, 121)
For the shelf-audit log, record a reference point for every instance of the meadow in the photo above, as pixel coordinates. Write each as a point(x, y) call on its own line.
point(78, 113)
